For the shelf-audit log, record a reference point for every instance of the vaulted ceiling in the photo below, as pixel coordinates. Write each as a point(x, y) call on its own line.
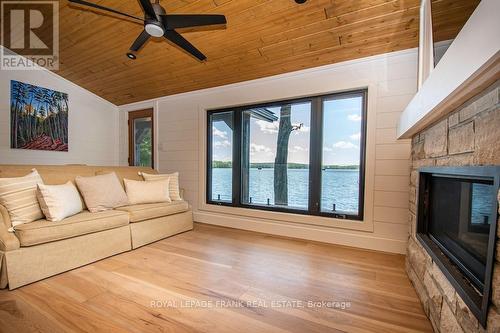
point(262, 38)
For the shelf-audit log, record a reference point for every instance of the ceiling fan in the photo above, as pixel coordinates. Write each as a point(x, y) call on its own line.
point(157, 23)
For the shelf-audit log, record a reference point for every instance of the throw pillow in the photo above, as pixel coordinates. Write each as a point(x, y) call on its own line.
point(103, 192)
point(18, 196)
point(59, 201)
point(173, 185)
point(141, 192)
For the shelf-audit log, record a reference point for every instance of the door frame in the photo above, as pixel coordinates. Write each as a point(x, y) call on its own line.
point(132, 115)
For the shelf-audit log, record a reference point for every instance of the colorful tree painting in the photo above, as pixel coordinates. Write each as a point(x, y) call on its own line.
point(38, 117)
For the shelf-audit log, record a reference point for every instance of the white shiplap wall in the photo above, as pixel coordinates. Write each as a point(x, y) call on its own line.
point(391, 80)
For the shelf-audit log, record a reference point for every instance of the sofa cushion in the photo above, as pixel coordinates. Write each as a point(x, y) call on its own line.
point(143, 212)
point(43, 231)
point(133, 173)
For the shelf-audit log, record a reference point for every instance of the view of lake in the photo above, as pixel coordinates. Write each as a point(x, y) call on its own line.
point(482, 203)
point(339, 187)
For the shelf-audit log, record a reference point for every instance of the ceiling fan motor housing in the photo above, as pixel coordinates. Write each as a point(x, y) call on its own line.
point(153, 26)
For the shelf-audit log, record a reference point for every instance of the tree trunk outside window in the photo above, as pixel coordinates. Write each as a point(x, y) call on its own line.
point(281, 160)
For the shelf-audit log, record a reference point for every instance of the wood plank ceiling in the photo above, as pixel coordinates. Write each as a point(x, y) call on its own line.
point(262, 38)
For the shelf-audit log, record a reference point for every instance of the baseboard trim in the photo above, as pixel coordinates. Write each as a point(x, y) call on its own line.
point(314, 233)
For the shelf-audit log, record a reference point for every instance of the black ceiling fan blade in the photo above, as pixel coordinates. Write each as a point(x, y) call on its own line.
point(139, 42)
point(180, 41)
point(147, 7)
point(191, 20)
point(93, 5)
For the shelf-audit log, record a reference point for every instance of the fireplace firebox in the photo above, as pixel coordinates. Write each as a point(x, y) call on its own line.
point(456, 224)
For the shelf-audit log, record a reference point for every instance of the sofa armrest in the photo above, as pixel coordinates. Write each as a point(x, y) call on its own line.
point(8, 241)
point(5, 217)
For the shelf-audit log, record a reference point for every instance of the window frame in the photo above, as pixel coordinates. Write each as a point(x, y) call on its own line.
point(315, 156)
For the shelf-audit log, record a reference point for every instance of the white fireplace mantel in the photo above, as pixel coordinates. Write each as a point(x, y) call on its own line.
point(471, 63)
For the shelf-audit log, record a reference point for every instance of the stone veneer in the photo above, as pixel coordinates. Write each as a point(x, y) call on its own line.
point(468, 136)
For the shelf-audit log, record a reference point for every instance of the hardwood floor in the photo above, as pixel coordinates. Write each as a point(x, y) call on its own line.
point(223, 280)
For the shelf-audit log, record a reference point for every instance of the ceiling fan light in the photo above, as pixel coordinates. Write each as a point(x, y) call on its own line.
point(154, 30)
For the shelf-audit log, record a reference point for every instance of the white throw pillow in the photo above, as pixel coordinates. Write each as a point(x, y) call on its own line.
point(18, 196)
point(141, 192)
point(59, 201)
point(173, 185)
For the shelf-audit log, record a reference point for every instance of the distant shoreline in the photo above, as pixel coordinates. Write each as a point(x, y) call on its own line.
point(269, 165)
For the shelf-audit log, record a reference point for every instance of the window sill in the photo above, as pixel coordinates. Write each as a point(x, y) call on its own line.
point(299, 218)
point(342, 215)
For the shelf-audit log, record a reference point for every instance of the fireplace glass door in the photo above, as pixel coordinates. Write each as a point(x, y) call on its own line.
point(459, 221)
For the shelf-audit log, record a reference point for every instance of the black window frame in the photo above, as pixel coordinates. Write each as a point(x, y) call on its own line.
point(315, 157)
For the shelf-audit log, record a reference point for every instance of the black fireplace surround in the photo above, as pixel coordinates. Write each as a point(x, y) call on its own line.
point(456, 223)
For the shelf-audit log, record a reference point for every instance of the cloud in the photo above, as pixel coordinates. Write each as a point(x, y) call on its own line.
point(219, 133)
point(356, 136)
point(296, 149)
point(224, 158)
point(331, 152)
point(354, 117)
point(224, 143)
point(255, 148)
point(344, 145)
point(268, 127)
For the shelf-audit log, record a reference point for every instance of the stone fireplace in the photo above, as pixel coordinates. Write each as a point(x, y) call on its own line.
point(468, 136)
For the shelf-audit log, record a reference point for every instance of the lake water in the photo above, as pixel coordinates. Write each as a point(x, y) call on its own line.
point(339, 187)
point(482, 203)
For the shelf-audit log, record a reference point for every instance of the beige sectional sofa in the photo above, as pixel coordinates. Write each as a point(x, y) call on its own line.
point(41, 249)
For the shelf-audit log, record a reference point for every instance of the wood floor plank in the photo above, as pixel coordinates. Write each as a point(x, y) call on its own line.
point(17, 315)
point(329, 272)
point(217, 279)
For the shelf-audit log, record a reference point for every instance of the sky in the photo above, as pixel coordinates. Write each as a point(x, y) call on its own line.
point(341, 134)
point(30, 94)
